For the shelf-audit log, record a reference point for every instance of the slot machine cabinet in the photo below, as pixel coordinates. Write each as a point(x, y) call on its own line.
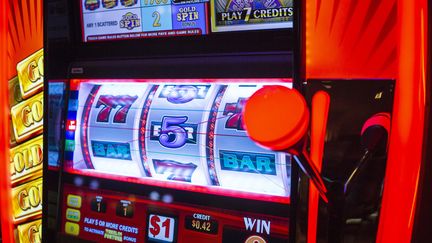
point(80, 65)
point(146, 142)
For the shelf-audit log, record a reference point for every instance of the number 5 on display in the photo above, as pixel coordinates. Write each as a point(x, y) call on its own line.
point(172, 134)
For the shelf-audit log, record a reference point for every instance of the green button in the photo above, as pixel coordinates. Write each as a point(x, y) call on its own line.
point(69, 145)
point(73, 215)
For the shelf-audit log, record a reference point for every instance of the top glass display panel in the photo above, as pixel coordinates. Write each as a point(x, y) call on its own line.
point(105, 20)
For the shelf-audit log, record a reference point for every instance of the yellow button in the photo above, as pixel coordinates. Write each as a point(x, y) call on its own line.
point(73, 215)
point(72, 228)
point(74, 201)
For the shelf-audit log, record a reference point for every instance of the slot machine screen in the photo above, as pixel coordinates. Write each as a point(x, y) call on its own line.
point(180, 135)
point(104, 20)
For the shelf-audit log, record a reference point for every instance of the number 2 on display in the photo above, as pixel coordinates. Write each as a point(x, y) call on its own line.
point(156, 22)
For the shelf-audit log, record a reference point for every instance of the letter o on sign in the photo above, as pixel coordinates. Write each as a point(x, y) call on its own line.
point(34, 196)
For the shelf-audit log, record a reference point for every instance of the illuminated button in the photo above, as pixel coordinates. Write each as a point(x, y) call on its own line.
point(98, 204)
point(255, 239)
point(73, 215)
point(125, 209)
point(72, 228)
point(71, 125)
point(74, 201)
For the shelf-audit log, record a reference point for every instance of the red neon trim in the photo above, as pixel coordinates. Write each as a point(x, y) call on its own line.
point(424, 79)
point(184, 186)
point(75, 82)
point(320, 109)
point(85, 147)
point(142, 130)
point(211, 127)
point(82, 22)
point(353, 50)
point(406, 139)
point(5, 184)
point(207, 25)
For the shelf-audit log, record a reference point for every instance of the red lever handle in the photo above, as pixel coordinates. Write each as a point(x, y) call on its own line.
point(277, 118)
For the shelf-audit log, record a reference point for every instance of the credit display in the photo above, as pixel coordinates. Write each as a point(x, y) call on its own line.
point(180, 134)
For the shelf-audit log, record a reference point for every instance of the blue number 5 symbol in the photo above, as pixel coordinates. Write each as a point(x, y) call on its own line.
point(172, 134)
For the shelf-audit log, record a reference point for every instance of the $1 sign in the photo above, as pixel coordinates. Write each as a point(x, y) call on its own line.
point(161, 228)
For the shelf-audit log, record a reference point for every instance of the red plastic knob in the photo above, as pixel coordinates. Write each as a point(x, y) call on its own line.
point(276, 117)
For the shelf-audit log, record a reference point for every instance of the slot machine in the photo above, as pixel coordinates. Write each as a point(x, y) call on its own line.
point(145, 136)
point(233, 121)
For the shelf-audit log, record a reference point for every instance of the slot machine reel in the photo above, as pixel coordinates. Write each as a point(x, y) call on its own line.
point(108, 117)
point(254, 168)
point(287, 112)
point(177, 132)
